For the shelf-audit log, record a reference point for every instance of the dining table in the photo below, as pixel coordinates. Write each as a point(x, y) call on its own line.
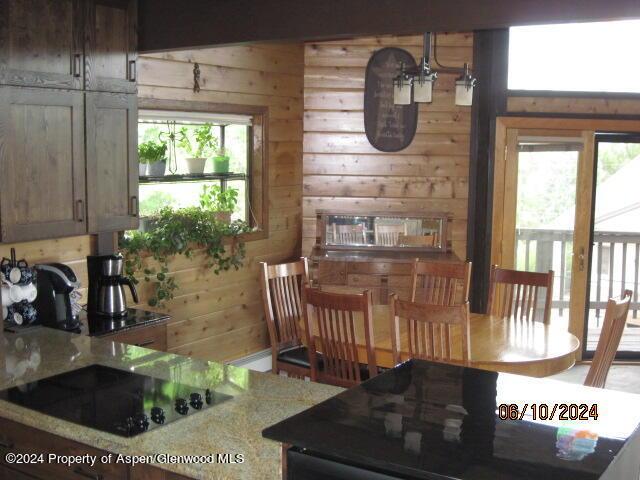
point(510, 345)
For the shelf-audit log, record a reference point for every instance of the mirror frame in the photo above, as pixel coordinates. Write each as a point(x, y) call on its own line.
point(321, 231)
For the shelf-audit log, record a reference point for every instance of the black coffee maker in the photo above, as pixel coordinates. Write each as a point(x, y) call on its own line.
point(55, 284)
point(106, 282)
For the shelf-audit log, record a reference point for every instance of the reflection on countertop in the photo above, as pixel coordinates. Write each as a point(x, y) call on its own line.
point(233, 427)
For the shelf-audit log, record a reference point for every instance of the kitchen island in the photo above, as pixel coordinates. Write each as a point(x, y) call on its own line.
point(233, 427)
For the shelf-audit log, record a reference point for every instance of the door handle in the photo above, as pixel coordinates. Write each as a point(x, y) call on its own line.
point(133, 206)
point(132, 70)
point(80, 210)
point(77, 65)
point(581, 258)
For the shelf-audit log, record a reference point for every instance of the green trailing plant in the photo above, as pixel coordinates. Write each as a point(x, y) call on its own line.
point(182, 232)
point(214, 199)
point(198, 142)
point(152, 151)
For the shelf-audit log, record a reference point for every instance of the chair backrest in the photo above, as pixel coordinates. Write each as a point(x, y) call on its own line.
point(440, 283)
point(517, 293)
point(333, 318)
point(345, 234)
point(282, 299)
point(387, 235)
point(615, 318)
point(431, 240)
point(427, 331)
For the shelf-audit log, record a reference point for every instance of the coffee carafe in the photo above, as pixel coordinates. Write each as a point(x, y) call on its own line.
point(106, 289)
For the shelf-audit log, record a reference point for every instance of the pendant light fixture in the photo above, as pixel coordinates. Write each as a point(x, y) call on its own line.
point(402, 87)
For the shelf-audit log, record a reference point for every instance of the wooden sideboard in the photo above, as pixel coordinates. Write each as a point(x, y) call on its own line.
point(382, 272)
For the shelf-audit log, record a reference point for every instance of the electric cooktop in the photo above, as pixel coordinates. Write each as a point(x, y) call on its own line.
point(116, 401)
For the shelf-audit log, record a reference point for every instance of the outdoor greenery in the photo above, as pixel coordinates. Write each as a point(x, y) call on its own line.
point(157, 200)
point(181, 232)
point(199, 142)
point(152, 151)
point(214, 199)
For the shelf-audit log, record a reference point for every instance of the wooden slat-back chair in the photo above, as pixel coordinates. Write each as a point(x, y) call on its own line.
point(387, 235)
point(282, 299)
point(348, 234)
point(440, 283)
point(515, 293)
point(334, 318)
point(615, 319)
point(428, 331)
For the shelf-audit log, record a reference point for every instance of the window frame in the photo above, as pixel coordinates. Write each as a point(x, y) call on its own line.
point(257, 161)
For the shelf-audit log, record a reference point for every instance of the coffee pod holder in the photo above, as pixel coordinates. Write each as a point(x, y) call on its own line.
point(18, 283)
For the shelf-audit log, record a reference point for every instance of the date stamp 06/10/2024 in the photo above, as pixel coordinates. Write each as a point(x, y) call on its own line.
point(548, 412)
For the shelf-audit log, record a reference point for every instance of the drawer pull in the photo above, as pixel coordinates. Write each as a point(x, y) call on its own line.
point(8, 444)
point(80, 210)
point(77, 64)
point(93, 476)
point(133, 206)
point(132, 70)
point(145, 343)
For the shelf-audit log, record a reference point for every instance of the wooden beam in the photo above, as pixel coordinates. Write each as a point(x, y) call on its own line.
point(168, 24)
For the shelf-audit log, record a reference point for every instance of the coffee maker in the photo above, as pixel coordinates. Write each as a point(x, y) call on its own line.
point(55, 283)
point(106, 286)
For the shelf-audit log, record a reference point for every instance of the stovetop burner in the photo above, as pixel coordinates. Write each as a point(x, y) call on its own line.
point(116, 401)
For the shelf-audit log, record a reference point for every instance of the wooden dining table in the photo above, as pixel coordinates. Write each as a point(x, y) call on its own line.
point(499, 344)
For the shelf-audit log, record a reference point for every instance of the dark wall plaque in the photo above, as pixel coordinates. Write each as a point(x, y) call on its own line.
point(389, 127)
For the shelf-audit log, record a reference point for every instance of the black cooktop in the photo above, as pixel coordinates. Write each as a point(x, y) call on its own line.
point(121, 402)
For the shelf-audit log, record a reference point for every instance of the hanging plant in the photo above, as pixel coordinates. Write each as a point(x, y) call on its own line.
point(181, 232)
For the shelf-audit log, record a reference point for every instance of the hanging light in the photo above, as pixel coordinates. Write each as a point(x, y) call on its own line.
point(402, 87)
point(423, 81)
point(464, 87)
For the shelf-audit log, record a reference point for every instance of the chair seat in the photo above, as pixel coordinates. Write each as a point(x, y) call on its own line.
point(298, 356)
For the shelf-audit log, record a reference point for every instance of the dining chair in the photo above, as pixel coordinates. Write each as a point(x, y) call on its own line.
point(440, 283)
point(347, 234)
point(516, 293)
point(388, 235)
point(615, 319)
point(430, 332)
point(282, 299)
point(334, 321)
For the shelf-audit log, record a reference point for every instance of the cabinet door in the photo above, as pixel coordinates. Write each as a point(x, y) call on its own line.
point(41, 43)
point(112, 161)
point(42, 163)
point(110, 45)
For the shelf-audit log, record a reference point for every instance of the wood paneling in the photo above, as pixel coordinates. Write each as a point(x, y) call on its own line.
point(220, 317)
point(606, 105)
point(342, 171)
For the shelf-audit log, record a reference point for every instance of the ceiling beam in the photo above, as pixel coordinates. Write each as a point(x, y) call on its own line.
point(174, 24)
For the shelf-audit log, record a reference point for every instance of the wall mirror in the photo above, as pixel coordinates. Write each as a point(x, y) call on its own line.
point(382, 231)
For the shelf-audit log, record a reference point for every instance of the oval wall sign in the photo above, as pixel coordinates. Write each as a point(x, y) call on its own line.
point(389, 127)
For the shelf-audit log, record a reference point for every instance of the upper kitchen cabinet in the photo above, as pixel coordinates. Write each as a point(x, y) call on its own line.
point(42, 164)
point(112, 161)
point(41, 43)
point(110, 45)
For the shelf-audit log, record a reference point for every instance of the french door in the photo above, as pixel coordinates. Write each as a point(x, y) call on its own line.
point(545, 214)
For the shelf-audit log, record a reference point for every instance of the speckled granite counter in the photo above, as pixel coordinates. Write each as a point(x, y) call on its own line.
point(260, 400)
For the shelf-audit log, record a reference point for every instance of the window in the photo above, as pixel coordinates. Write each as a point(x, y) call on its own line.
point(581, 57)
point(232, 131)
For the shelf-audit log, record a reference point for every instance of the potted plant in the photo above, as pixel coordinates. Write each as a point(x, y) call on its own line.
point(153, 154)
point(221, 162)
point(198, 144)
point(220, 203)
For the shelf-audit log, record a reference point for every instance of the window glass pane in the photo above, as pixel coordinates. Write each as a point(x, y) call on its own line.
point(236, 146)
point(570, 57)
point(154, 196)
point(241, 208)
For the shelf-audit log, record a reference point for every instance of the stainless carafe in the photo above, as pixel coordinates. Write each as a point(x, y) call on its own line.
point(112, 301)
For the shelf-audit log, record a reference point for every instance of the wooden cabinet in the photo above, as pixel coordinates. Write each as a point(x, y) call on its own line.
point(110, 45)
point(42, 163)
point(153, 337)
point(112, 161)
point(41, 43)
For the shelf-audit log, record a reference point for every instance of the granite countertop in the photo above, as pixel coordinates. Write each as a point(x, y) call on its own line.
point(260, 400)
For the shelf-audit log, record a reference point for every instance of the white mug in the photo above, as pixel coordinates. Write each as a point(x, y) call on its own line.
point(6, 297)
point(16, 293)
point(29, 292)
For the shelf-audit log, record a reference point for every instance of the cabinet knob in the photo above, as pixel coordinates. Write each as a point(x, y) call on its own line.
point(132, 70)
point(80, 210)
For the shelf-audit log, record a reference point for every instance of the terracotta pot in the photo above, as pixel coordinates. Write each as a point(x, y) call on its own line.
point(196, 165)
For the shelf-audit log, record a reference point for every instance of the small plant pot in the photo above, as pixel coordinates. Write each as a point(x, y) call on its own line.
point(196, 165)
point(221, 164)
point(224, 217)
point(142, 169)
point(157, 169)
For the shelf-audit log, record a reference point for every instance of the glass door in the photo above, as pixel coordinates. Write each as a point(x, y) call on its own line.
point(615, 235)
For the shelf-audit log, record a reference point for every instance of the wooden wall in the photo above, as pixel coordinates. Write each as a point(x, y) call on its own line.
point(342, 171)
point(584, 106)
point(220, 317)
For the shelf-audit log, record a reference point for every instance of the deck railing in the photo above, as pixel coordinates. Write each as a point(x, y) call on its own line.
point(615, 265)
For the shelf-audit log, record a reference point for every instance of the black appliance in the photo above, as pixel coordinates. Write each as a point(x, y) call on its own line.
point(106, 286)
point(116, 401)
point(55, 283)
